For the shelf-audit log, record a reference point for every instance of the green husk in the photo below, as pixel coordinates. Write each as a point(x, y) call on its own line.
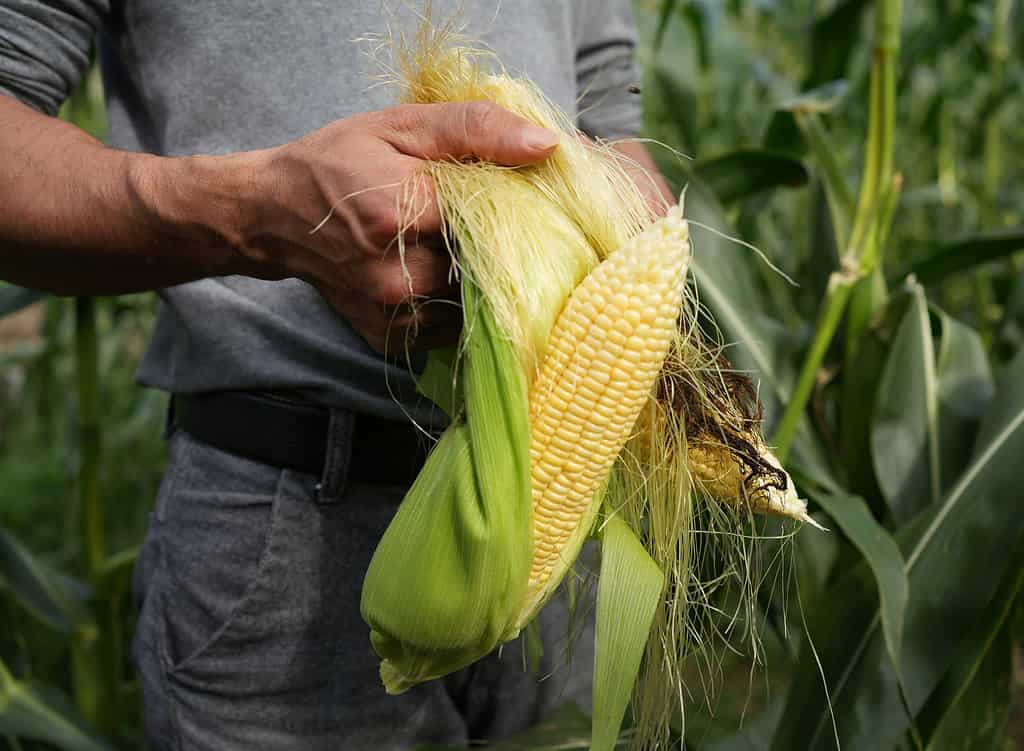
point(629, 593)
point(449, 574)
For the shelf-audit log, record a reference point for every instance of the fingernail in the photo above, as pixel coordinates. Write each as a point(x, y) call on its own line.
point(540, 139)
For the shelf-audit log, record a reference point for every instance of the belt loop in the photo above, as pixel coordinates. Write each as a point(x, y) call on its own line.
point(332, 484)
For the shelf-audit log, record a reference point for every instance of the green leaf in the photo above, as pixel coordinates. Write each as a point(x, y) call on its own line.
point(13, 299)
point(967, 253)
point(668, 7)
point(833, 37)
point(669, 95)
point(696, 15)
point(52, 597)
point(965, 388)
point(822, 248)
point(629, 590)
point(32, 710)
point(978, 718)
point(904, 434)
point(783, 134)
point(838, 191)
point(867, 348)
point(968, 709)
point(955, 558)
point(882, 555)
point(739, 174)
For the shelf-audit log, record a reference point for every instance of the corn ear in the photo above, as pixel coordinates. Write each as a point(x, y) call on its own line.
point(605, 353)
point(571, 307)
point(718, 472)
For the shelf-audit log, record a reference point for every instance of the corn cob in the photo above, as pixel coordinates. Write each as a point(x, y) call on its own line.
point(606, 350)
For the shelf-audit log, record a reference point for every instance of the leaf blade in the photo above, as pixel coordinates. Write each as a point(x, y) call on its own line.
point(967, 253)
point(52, 597)
point(29, 709)
point(883, 557)
point(904, 431)
point(952, 576)
point(629, 589)
point(741, 173)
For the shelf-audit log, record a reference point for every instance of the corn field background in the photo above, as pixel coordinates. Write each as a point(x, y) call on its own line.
point(873, 152)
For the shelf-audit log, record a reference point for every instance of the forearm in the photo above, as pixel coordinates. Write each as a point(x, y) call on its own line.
point(81, 218)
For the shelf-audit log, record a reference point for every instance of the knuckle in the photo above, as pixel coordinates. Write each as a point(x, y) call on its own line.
point(404, 117)
point(392, 289)
point(381, 223)
point(481, 118)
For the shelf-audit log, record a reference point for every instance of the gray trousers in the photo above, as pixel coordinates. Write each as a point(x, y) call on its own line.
point(250, 637)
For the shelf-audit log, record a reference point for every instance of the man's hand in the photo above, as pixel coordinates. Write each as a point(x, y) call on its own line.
point(646, 175)
point(365, 175)
point(85, 219)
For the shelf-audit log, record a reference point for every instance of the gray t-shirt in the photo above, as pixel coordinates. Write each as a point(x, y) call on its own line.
point(216, 76)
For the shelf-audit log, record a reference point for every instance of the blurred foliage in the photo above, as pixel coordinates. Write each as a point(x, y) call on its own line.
point(81, 455)
point(900, 625)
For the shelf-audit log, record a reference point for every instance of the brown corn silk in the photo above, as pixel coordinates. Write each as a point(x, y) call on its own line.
point(572, 291)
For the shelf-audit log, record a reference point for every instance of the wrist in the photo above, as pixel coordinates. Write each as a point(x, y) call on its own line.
point(202, 205)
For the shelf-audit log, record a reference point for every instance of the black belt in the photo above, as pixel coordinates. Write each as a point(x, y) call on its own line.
point(293, 435)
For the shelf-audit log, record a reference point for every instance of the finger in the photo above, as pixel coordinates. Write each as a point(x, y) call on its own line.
point(430, 325)
point(469, 129)
point(419, 215)
point(421, 272)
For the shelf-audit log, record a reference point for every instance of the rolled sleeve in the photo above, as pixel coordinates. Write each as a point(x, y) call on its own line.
point(606, 69)
point(44, 48)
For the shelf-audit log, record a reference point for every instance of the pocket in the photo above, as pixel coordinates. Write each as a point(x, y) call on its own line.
point(215, 531)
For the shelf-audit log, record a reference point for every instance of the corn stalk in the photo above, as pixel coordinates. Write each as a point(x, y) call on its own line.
point(999, 53)
point(93, 662)
point(862, 249)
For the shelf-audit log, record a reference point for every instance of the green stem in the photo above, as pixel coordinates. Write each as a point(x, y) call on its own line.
point(44, 370)
point(877, 180)
point(947, 179)
point(863, 251)
point(840, 286)
point(93, 654)
point(999, 53)
point(86, 356)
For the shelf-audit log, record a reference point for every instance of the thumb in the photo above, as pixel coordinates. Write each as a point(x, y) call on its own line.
point(470, 129)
